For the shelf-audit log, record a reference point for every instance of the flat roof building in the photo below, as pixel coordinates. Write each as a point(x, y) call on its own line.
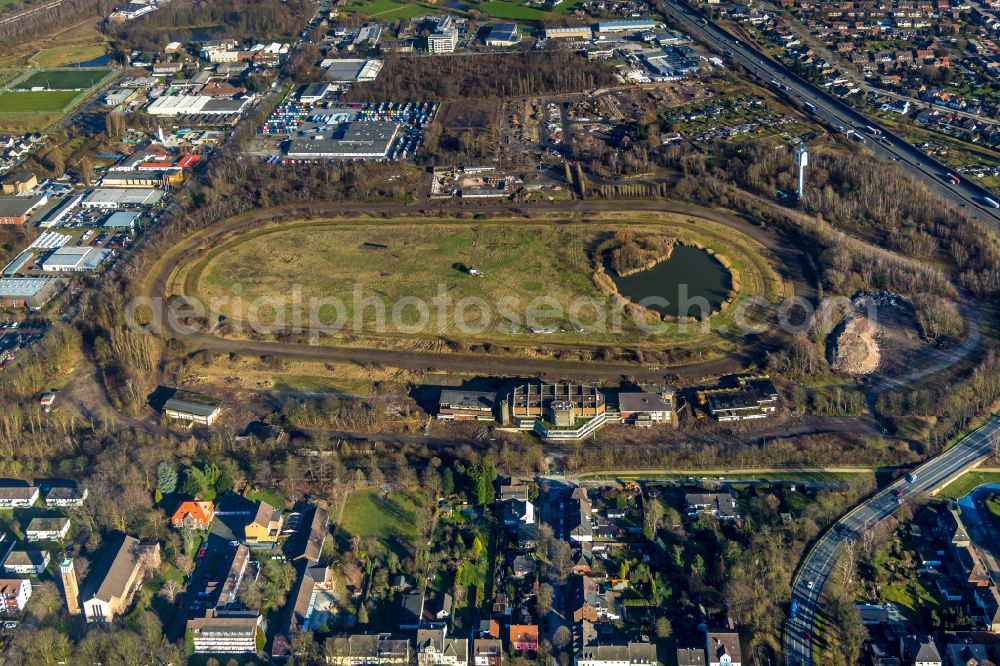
point(357, 140)
point(504, 34)
point(122, 220)
point(193, 407)
point(75, 259)
point(646, 409)
point(225, 632)
point(580, 32)
point(459, 405)
point(343, 70)
point(130, 197)
point(313, 92)
point(15, 209)
point(32, 293)
point(625, 25)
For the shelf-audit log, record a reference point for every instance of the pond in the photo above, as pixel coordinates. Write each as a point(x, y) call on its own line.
point(690, 274)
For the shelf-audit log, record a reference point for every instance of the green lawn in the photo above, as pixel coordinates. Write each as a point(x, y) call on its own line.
point(60, 56)
point(388, 9)
point(511, 10)
point(389, 520)
point(44, 101)
point(76, 79)
point(271, 498)
point(965, 484)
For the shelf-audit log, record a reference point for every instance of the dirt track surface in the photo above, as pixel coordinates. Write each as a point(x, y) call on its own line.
point(789, 263)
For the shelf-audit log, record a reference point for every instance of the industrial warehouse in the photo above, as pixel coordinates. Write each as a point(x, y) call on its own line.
point(351, 141)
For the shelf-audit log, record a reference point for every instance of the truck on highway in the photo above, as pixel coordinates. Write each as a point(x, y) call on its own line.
point(991, 202)
point(952, 178)
point(810, 107)
point(874, 131)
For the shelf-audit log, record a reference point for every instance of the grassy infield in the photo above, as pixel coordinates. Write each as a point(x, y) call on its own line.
point(520, 261)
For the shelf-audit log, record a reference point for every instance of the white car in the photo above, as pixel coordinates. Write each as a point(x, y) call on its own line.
point(809, 584)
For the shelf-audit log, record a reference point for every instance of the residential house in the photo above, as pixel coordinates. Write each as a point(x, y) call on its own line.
point(523, 637)
point(26, 562)
point(920, 651)
point(66, 497)
point(47, 529)
point(234, 577)
point(226, 632)
point(522, 566)
point(487, 652)
point(720, 505)
point(988, 600)
point(195, 515)
point(18, 497)
point(690, 656)
point(637, 653)
point(723, 648)
point(411, 611)
point(309, 544)
point(19, 182)
point(579, 510)
point(515, 490)
point(14, 594)
point(434, 648)
point(368, 650)
point(966, 654)
point(111, 585)
point(527, 536)
point(443, 606)
point(589, 603)
point(955, 528)
point(516, 511)
point(265, 528)
point(459, 405)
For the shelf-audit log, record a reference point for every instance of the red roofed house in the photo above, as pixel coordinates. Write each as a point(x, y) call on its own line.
point(195, 515)
point(524, 637)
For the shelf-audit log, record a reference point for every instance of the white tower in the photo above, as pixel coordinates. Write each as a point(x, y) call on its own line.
point(802, 159)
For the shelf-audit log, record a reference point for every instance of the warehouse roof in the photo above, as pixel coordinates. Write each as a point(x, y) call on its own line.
point(22, 287)
point(18, 206)
point(135, 196)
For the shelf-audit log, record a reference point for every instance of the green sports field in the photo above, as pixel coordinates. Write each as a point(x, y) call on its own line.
point(36, 101)
point(55, 79)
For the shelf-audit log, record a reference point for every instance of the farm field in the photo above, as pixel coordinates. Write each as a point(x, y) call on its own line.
point(410, 269)
point(389, 520)
point(79, 79)
point(36, 101)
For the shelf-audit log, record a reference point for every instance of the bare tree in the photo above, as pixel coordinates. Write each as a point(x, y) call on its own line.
point(171, 588)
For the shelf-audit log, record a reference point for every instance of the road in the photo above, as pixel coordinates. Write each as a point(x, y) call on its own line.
point(816, 568)
point(835, 113)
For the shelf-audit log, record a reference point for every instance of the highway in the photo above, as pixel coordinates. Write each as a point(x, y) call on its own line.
point(816, 568)
point(835, 113)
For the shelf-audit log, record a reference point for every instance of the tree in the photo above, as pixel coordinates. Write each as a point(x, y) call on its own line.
point(194, 482)
point(166, 478)
point(561, 559)
point(171, 588)
point(447, 482)
point(544, 599)
point(482, 475)
point(663, 628)
point(561, 638)
point(362, 615)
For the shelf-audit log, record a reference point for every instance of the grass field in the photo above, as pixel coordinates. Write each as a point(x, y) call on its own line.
point(389, 9)
point(55, 79)
point(966, 483)
point(59, 56)
point(524, 266)
point(36, 101)
point(389, 520)
point(511, 10)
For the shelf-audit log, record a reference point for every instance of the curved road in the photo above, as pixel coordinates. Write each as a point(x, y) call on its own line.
point(816, 568)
